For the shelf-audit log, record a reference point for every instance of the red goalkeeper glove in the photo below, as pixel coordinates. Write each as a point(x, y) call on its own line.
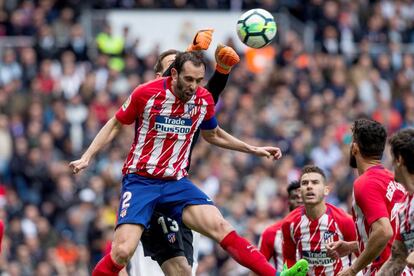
point(201, 40)
point(226, 58)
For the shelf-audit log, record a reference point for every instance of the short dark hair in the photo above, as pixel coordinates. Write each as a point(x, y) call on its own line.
point(294, 185)
point(182, 57)
point(312, 169)
point(402, 144)
point(158, 65)
point(370, 136)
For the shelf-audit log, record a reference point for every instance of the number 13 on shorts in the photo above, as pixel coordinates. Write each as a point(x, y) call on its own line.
point(172, 223)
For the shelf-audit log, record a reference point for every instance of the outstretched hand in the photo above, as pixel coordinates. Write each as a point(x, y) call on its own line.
point(201, 40)
point(269, 152)
point(78, 165)
point(226, 58)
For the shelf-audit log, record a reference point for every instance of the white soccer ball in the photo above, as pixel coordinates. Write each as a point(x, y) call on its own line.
point(256, 28)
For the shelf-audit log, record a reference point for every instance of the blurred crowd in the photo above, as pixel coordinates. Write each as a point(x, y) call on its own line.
point(55, 96)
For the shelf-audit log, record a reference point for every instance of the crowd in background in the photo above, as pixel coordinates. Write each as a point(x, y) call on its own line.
point(55, 96)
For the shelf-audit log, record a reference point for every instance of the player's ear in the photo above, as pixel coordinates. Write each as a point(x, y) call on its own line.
point(326, 190)
point(355, 148)
point(158, 75)
point(399, 161)
point(174, 73)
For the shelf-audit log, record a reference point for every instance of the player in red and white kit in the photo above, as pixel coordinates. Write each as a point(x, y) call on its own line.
point(271, 241)
point(167, 112)
point(309, 228)
point(377, 201)
point(402, 149)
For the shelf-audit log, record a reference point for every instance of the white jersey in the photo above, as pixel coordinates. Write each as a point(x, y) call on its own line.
point(406, 230)
point(140, 265)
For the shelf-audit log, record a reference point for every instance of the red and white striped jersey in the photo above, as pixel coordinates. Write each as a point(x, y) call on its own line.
point(309, 238)
point(405, 232)
point(271, 244)
point(164, 128)
point(376, 195)
point(407, 271)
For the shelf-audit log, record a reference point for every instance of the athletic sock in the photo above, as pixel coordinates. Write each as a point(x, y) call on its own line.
point(107, 267)
point(246, 254)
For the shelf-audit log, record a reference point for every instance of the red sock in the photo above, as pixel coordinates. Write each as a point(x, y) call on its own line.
point(107, 267)
point(246, 254)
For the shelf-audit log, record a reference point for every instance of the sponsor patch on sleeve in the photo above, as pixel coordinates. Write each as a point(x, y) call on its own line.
point(126, 103)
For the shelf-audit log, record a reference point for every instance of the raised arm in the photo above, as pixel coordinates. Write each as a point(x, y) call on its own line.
point(221, 138)
point(226, 58)
point(104, 136)
point(381, 233)
point(396, 263)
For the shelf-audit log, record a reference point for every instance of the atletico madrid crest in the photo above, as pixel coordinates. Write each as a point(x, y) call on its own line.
point(123, 213)
point(191, 110)
point(171, 237)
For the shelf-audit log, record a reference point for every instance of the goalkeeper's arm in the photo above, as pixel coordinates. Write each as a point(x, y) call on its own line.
point(226, 58)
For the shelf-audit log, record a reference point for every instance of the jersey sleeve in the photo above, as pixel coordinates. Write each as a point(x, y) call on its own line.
point(209, 121)
point(132, 107)
point(216, 84)
point(371, 199)
point(266, 243)
point(289, 246)
point(210, 108)
point(348, 227)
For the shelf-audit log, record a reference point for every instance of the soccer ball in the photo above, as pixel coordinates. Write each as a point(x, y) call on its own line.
point(256, 28)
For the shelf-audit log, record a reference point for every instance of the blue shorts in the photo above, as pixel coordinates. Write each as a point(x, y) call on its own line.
point(140, 196)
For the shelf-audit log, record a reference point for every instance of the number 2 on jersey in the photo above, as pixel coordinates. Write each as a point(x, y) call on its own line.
point(126, 197)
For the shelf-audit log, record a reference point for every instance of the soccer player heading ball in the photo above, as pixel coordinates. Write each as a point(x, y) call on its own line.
point(167, 112)
point(168, 242)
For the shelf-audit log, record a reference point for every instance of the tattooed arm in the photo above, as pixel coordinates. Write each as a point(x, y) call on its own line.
point(396, 263)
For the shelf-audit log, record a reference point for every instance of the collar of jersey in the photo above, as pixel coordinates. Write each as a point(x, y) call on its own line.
point(376, 167)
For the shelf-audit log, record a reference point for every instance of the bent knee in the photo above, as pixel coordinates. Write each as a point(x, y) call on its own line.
point(221, 229)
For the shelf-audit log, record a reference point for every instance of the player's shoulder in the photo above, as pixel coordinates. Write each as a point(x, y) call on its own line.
point(150, 88)
point(272, 229)
point(380, 174)
point(159, 83)
point(294, 216)
point(204, 94)
point(375, 178)
point(338, 212)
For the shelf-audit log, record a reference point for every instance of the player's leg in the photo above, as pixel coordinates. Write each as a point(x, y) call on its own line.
point(182, 199)
point(207, 220)
point(181, 265)
point(138, 199)
point(126, 238)
point(163, 242)
point(177, 266)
